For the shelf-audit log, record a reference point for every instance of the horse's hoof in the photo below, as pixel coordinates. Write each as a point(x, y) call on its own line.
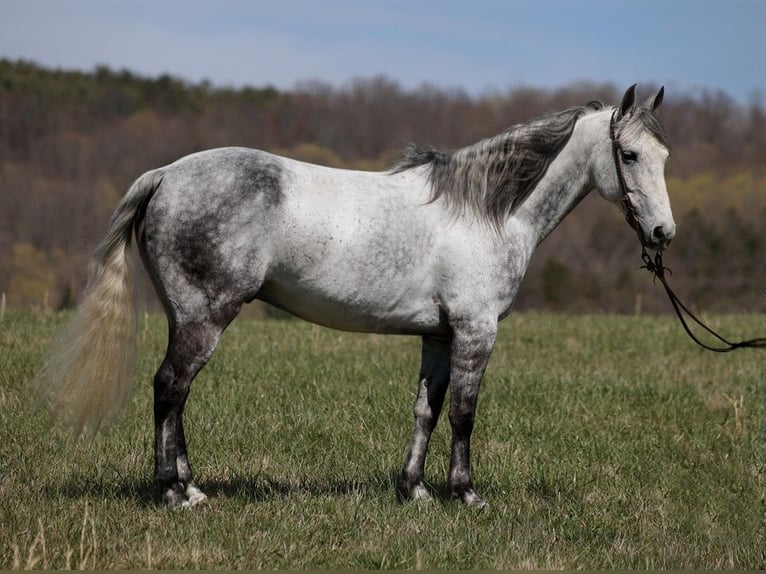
point(174, 499)
point(194, 495)
point(177, 496)
point(419, 492)
point(413, 492)
point(470, 498)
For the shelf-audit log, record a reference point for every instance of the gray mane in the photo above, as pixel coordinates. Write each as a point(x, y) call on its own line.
point(494, 176)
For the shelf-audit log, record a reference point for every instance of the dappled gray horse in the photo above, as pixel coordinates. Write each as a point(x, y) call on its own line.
point(437, 247)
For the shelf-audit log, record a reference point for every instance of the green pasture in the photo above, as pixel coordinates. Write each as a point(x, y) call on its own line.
point(601, 442)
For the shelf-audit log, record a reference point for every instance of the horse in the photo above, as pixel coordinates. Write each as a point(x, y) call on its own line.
point(435, 247)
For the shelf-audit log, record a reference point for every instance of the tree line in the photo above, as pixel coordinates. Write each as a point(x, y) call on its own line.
point(72, 142)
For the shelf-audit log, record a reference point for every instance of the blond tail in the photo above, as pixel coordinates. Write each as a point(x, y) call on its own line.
point(89, 377)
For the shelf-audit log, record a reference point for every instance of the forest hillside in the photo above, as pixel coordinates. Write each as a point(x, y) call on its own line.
point(72, 142)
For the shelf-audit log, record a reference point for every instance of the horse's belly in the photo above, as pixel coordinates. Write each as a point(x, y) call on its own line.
point(368, 312)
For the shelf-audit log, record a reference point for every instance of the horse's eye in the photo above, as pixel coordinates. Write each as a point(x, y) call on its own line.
point(629, 156)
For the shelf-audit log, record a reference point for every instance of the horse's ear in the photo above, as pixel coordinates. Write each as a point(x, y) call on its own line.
point(654, 103)
point(628, 100)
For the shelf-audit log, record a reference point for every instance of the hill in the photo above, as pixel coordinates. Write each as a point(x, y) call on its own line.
point(72, 142)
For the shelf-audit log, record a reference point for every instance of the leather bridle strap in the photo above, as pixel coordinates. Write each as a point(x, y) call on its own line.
point(630, 212)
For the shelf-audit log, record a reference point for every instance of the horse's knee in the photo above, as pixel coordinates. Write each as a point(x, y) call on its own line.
point(462, 415)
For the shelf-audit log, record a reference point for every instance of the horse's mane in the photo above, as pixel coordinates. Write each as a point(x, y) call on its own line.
point(643, 119)
point(494, 176)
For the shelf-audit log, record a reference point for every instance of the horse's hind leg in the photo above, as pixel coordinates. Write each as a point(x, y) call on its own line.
point(190, 345)
point(434, 380)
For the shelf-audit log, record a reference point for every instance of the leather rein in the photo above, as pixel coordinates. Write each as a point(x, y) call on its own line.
point(655, 266)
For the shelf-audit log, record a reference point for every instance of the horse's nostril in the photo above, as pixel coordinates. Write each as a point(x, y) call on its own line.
point(663, 235)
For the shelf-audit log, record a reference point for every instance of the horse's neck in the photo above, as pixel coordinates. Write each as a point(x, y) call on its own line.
point(567, 180)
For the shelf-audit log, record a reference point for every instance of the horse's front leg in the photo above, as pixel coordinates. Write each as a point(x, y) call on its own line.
point(472, 344)
point(434, 379)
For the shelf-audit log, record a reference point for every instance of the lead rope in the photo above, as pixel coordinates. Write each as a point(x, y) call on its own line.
point(656, 267)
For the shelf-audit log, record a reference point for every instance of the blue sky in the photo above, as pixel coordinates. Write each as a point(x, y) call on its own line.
point(476, 45)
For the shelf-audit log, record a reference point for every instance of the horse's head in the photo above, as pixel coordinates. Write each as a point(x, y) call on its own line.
point(636, 176)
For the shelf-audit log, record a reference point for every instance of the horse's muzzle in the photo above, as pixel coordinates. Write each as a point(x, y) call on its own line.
point(661, 236)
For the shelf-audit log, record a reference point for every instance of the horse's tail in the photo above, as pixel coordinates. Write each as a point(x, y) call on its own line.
point(90, 374)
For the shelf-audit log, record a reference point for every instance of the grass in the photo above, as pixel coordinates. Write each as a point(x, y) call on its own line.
point(601, 442)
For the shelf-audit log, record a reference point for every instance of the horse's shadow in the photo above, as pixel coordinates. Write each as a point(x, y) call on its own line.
point(127, 488)
point(250, 488)
point(264, 487)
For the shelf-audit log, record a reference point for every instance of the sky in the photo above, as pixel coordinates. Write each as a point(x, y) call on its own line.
point(479, 46)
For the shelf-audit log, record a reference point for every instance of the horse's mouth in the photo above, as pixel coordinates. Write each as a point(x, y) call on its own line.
point(658, 246)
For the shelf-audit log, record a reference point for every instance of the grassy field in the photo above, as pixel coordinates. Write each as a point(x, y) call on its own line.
point(601, 442)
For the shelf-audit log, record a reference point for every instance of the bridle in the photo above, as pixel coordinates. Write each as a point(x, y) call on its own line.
point(655, 266)
point(630, 211)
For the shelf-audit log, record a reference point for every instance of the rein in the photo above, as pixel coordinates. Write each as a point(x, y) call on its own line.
point(656, 267)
